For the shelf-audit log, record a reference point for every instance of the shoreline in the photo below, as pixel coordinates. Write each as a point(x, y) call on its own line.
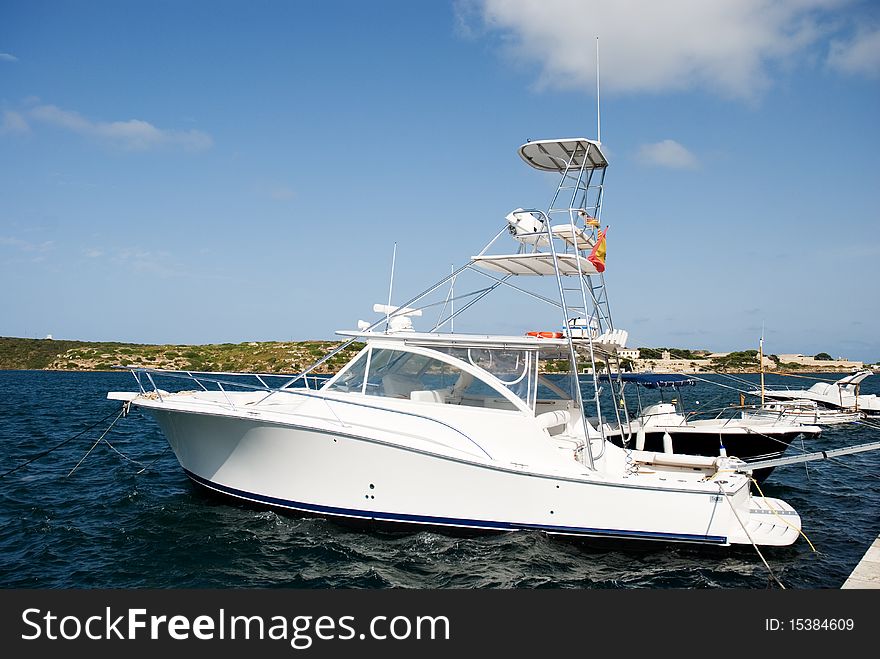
point(266, 357)
point(293, 357)
point(806, 373)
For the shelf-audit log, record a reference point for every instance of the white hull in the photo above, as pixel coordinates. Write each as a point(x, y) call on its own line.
point(842, 395)
point(468, 431)
point(340, 474)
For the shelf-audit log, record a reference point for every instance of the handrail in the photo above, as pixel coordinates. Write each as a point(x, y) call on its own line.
point(297, 392)
point(732, 409)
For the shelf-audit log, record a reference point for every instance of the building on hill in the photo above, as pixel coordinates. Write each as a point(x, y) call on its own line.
point(806, 360)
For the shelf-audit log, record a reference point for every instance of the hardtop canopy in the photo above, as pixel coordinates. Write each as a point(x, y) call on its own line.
point(558, 155)
point(556, 348)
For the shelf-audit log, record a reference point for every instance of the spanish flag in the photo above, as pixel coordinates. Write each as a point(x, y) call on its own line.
point(597, 256)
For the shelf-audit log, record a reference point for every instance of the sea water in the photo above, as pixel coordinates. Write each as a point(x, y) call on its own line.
point(128, 517)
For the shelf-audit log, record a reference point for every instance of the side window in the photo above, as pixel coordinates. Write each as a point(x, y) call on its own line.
point(353, 377)
point(392, 373)
point(398, 374)
point(555, 386)
point(514, 368)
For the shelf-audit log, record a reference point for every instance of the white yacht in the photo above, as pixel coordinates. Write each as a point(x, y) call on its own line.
point(842, 395)
point(470, 430)
point(802, 411)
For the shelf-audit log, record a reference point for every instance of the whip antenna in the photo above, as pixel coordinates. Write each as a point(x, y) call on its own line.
point(598, 117)
point(390, 288)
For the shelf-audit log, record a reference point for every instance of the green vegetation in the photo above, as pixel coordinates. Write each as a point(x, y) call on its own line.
point(251, 357)
point(745, 359)
point(285, 357)
point(674, 353)
point(40, 353)
point(793, 366)
point(823, 356)
point(555, 366)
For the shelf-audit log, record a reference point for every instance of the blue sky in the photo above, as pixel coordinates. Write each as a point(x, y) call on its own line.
point(199, 172)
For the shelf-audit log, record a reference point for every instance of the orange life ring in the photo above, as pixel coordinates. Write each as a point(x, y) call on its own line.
point(545, 335)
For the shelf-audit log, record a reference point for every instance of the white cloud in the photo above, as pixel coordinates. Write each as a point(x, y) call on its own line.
point(13, 122)
point(857, 55)
point(6, 57)
point(726, 46)
point(143, 261)
point(667, 153)
point(27, 246)
point(134, 134)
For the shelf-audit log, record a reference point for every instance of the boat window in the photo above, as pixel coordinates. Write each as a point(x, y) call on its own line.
point(398, 374)
point(509, 366)
point(352, 378)
point(555, 386)
point(514, 368)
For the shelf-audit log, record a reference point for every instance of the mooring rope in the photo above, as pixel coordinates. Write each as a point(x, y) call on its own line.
point(98, 441)
point(55, 448)
point(735, 379)
point(749, 536)
point(773, 510)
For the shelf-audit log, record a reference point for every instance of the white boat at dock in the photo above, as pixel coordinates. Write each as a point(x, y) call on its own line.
point(459, 430)
point(801, 411)
point(841, 396)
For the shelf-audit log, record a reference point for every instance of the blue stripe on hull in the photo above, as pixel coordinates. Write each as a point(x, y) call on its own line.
point(422, 520)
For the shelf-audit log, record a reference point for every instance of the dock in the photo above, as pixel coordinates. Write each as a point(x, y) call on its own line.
point(867, 572)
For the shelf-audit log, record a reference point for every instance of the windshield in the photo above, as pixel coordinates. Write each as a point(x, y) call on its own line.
point(400, 374)
point(515, 368)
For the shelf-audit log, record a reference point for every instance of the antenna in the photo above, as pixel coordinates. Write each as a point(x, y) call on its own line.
point(390, 287)
point(761, 362)
point(598, 116)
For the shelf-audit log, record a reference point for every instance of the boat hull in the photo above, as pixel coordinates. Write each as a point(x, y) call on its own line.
point(336, 474)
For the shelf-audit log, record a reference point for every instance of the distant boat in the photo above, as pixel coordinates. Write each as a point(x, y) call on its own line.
point(666, 427)
point(802, 411)
point(841, 395)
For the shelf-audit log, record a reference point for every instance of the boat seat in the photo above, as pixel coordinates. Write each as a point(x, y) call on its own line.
point(613, 339)
point(430, 395)
point(578, 238)
point(553, 419)
point(399, 386)
point(457, 391)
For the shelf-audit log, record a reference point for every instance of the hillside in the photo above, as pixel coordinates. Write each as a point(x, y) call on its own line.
point(253, 357)
point(294, 356)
